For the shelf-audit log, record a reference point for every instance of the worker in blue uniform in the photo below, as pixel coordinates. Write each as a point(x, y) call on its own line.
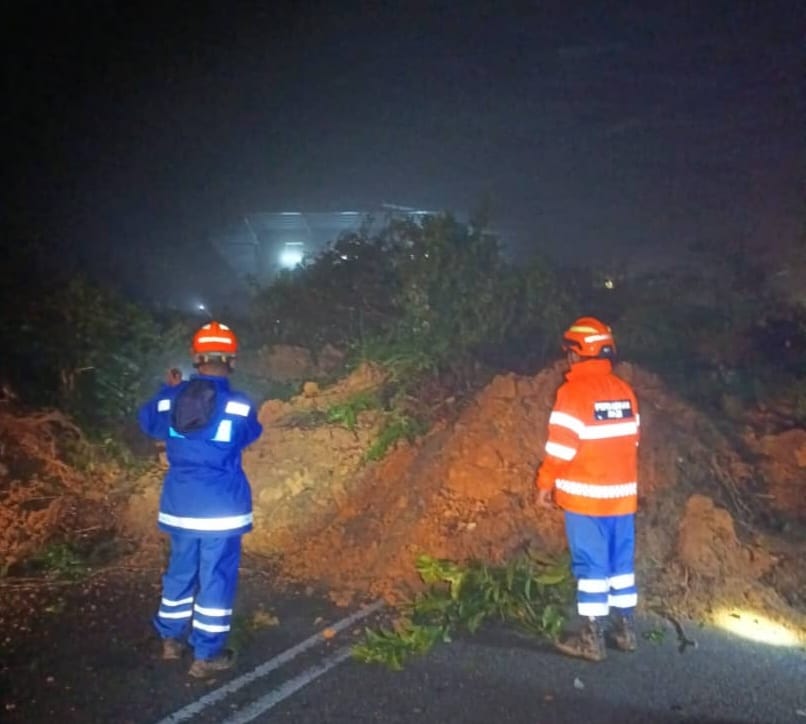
point(206, 501)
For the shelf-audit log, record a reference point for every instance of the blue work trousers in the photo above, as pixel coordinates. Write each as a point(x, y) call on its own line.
point(198, 590)
point(602, 560)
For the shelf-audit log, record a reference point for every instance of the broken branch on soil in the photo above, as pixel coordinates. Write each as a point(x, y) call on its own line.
point(742, 510)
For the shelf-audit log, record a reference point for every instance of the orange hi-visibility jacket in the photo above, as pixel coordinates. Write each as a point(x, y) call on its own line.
point(591, 453)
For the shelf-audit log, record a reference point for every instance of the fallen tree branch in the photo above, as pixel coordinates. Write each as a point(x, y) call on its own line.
point(683, 640)
point(741, 509)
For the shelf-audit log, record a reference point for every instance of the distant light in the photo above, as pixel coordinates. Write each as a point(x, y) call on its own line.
point(609, 284)
point(755, 627)
point(290, 213)
point(345, 257)
point(290, 257)
point(202, 307)
point(349, 213)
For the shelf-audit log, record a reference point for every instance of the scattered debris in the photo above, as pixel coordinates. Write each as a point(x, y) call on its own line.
point(655, 635)
point(51, 512)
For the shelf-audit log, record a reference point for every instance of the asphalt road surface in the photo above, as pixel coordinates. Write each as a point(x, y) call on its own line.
point(500, 677)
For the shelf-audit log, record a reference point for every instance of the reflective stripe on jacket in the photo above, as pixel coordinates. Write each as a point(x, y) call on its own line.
point(206, 492)
point(591, 456)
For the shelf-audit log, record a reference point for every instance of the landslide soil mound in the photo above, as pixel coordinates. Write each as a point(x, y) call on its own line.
point(720, 526)
point(708, 528)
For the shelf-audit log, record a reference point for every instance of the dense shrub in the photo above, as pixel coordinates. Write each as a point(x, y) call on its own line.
point(421, 295)
point(712, 330)
point(424, 299)
point(70, 343)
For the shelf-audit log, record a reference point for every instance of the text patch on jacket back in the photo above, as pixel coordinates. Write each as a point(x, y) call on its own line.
point(612, 410)
point(195, 406)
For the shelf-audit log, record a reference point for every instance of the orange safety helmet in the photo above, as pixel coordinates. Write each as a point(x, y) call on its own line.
point(215, 340)
point(589, 337)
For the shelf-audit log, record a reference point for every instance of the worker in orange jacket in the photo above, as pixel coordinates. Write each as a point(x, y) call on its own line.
point(590, 470)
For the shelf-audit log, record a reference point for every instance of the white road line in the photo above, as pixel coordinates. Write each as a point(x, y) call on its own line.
point(287, 688)
point(198, 706)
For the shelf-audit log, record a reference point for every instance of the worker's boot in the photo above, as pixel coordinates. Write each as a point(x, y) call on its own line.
point(202, 668)
point(622, 635)
point(172, 649)
point(588, 643)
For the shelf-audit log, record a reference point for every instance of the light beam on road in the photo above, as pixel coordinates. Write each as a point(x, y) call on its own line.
point(756, 627)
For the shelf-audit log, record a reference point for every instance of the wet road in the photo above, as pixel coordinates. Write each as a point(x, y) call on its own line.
point(499, 676)
point(91, 656)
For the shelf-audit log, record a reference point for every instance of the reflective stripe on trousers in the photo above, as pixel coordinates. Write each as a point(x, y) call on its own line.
point(198, 592)
point(602, 560)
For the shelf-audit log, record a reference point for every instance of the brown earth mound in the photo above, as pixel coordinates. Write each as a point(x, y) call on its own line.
point(465, 491)
point(720, 526)
point(783, 467)
point(711, 542)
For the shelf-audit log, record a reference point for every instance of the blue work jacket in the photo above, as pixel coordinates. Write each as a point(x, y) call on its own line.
point(205, 426)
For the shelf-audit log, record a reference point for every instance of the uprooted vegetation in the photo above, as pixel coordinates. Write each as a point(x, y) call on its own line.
point(530, 592)
point(52, 511)
point(420, 417)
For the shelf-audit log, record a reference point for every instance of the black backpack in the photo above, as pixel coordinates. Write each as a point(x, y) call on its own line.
point(194, 406)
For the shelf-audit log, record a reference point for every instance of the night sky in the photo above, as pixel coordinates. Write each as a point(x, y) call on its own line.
point(593, 131)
